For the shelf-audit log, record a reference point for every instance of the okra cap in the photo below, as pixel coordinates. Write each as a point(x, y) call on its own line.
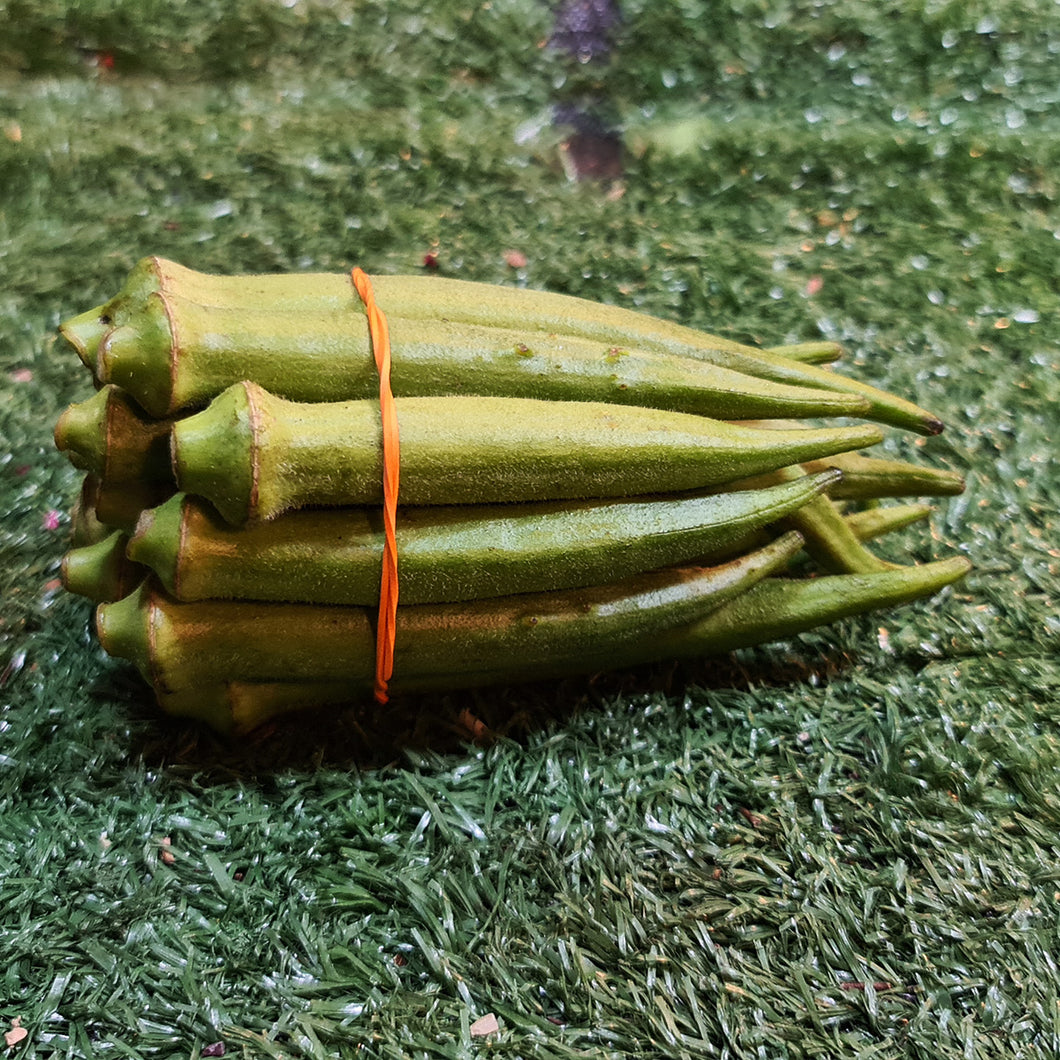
point(213, 453)
point(81, 432)
point(85, 332)
point(102, 571)
point(155, 542)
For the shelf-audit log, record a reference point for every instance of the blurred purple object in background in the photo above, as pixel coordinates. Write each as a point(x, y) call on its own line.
point(583, 28)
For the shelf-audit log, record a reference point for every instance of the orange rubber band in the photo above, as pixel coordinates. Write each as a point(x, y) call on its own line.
point(386, 631)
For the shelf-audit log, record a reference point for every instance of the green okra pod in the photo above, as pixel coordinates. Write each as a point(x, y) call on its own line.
point(495, 306)
point(530, 313)
point(774, 609)
point(110, 436)
point(253, 455)
point(450, 553)
point(179, 645)
point(534, 315)
point(783, 607)
point(177, 354)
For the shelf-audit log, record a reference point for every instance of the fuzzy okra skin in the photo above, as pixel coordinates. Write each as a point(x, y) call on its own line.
point(773, 609)
point(448, 554)
point(459, 302)
point(178, 354)
point(178, 645)
point(306, 293)
point(473, 303)
point(110, 436)
point(253, 455)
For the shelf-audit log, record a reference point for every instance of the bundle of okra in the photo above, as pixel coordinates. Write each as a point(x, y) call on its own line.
point(582, 487)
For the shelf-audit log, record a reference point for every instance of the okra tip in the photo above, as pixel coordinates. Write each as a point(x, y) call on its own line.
point(823, 352)
point(822, 481)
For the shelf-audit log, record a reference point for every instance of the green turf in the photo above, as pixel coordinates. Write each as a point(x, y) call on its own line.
point(840, 846)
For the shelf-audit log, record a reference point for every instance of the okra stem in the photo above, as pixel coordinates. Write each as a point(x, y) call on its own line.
point(111, 437)
point(102, 571)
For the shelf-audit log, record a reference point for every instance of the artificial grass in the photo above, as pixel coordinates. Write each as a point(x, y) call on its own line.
point(844, 845)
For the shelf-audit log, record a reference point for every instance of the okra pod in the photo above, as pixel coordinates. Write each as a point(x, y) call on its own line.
point(253, 455)
point(778, 608)
point(535, 313)
point(450, 554)
point(495, 306)
point(178, 354)
point(180, 645)
point(775, 608)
